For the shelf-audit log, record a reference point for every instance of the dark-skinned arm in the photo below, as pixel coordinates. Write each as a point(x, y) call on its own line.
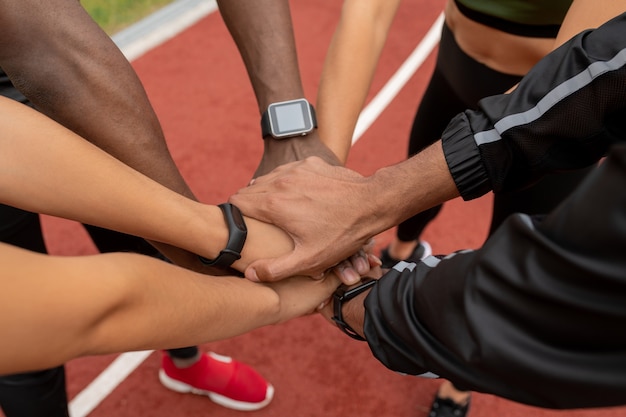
point(61, 60)
point(263, 32)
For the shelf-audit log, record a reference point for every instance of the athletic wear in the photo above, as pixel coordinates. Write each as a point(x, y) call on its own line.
point(444, 407)
point(533, 18)
point(458, 83)
point(448, 93)
point(421, 251)
point(34, 394)
point(537, 315)
point(225, 381)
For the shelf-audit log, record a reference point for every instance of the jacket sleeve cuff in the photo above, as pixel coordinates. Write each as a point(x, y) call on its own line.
point(464, 159)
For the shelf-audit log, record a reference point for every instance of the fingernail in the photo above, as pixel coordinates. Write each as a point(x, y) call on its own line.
point(349, 276)
point(321, 306)
point(251, 275)
point(376, 260)
point(362, 266)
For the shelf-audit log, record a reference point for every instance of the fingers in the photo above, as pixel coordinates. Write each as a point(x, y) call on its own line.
point(276, 269)
point(375, 266)
point(313, 164)
point(362, 263)
point(347, 273)
point(271, 175)
point(352, 269)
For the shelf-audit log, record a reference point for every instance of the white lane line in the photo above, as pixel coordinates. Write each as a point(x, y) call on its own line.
point(378, 104)
point(89, 398)
point(161, 26)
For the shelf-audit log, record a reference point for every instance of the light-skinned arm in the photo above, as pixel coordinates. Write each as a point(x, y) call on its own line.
point(47, 168)
point(61, 60)
point(100, 304)
point(349, 68)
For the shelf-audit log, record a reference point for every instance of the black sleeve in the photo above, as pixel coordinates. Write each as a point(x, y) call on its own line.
point(537, 315)
point(565, 114)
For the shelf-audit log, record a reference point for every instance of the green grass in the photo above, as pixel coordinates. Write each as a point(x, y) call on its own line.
point(115, 15)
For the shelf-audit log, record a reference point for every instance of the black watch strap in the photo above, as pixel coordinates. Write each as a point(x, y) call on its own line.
point(345, 293)
point(266, 129)
point(237, 233)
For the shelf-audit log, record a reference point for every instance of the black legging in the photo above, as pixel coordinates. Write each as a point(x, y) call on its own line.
point(42, 393)
point(458, 83)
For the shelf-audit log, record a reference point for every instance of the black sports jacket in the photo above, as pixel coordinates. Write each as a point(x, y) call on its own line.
point(538, 314)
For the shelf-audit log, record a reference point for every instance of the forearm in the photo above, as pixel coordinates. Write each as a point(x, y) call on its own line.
point(263, 32)
point(49, 169)
point(111, 303)
point(563, 115)
point(60, 59)
point(72, 71)
point(410, 187)
point(349, 68)
point(267, 47)
point(466, 317)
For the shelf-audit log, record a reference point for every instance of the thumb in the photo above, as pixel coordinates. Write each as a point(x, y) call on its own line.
point(274, 269)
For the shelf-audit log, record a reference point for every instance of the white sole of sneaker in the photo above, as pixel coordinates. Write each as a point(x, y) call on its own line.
point(181, 387)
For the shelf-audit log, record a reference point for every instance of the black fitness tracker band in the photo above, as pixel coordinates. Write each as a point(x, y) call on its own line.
point(287, 119)
point(345, 293)
point(237, 233)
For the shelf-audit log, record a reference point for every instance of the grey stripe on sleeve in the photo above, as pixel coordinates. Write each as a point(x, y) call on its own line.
point(553, 97)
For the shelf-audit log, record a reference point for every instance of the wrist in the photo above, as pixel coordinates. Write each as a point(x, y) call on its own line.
point(391, 197)
point(287, 119)
point(237, 233)
point(368, 220)
point(348, 309)
point(208, 232)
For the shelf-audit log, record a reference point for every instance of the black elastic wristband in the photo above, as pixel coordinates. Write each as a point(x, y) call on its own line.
point(237, 233)
point(345, 293)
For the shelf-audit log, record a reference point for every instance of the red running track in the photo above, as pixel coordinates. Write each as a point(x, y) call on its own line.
point(200, 90)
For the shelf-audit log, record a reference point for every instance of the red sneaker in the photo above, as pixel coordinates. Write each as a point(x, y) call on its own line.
point(226, 382)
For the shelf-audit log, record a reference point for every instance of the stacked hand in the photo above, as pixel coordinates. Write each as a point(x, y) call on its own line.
point(316, 204)
point(277, 154)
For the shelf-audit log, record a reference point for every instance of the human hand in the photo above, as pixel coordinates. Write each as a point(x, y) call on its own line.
point(358, 265)
point(278, 152)
point(319, 206)
point(300, 296)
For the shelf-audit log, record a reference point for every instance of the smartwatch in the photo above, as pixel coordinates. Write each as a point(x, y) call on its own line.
point(287, 119)
point(346, 293)
point(237, 233)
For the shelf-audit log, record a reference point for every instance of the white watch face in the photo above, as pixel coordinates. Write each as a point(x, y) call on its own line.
point(290, 118)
